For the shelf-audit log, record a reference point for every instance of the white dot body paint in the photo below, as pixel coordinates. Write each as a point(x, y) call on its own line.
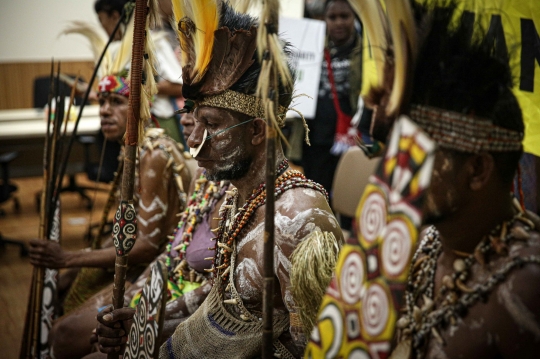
point(151, 173)
point(194, 151)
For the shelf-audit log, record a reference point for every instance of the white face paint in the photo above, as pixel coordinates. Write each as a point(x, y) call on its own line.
point(194, 151)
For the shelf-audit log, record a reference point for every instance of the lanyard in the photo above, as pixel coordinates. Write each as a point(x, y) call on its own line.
point(332, 82)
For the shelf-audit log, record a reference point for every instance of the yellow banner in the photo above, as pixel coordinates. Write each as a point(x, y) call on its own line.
point(516, 26)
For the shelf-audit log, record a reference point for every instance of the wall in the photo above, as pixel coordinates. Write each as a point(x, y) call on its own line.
point(30, 30)
point(30, 38)
point(17, 80)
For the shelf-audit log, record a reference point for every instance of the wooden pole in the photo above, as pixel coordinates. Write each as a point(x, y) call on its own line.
point(269, 229)
point(268, 89)
point(269, 225)
point(125, 226)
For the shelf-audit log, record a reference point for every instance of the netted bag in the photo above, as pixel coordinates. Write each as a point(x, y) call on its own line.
point(212, 332)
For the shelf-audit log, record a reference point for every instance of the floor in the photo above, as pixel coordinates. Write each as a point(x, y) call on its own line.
point(16, 272)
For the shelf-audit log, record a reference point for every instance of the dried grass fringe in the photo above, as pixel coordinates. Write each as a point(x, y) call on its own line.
point(312, 266)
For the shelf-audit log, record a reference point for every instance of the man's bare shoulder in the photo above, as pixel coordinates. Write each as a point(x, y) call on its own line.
point(157, 149)
point(297, 200)
point(300, 211)
point(516, 302)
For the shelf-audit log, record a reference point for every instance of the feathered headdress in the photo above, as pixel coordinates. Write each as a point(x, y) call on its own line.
point(218, 52)
point(114, 72)
point(116, 60)
point(393, 42)
point(397, 41)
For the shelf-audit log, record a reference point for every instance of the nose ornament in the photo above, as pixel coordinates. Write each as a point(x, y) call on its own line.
point(194, 151)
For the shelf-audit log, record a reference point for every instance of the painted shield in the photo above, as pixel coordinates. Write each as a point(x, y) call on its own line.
point(359, 311)
point(148, 320)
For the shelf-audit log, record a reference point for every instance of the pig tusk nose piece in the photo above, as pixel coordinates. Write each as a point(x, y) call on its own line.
point(194, 151)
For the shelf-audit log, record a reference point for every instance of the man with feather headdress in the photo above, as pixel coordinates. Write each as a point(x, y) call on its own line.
point(169, 82)
point(162, 181)
point(220, 72)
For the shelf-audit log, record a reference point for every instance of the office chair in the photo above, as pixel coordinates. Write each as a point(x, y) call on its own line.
point(110, 158)
point(6, 193)
point(106, 174)
point(42, 85)
point(351, 177)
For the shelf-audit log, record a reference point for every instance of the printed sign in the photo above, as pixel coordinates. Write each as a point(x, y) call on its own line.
point(307, 39)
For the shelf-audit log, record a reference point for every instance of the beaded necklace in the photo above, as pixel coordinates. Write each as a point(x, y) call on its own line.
point(454, 296)
point(205, 195)
point(232, 221)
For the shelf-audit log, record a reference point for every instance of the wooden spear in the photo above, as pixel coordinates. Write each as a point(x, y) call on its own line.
point(26, 345)
point(125, 220)
point(30, 347)
point(50, 208)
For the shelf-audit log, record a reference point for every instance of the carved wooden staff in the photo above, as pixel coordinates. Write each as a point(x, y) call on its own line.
point(125, 220)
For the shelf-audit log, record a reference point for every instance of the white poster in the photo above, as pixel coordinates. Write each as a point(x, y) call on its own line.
point(307, 38)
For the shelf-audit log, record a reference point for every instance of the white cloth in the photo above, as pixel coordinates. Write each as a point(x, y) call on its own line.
point(168, 68)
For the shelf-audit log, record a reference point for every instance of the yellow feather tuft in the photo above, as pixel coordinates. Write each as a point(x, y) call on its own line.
point(179, 13)
point(273, 63)
point(122, 58)
point(97, 41)
point(205, 17)
point(205, 12)
point(375, 23)
point(149, 88)
point(403, 31)
point(154, 16)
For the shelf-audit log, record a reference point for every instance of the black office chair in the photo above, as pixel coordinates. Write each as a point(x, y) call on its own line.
point(110, 158)
point(41, 91)
point(6, 193)
point(106, 173)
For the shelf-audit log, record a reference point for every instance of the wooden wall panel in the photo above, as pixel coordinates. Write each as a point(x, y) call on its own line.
point(17, 80)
